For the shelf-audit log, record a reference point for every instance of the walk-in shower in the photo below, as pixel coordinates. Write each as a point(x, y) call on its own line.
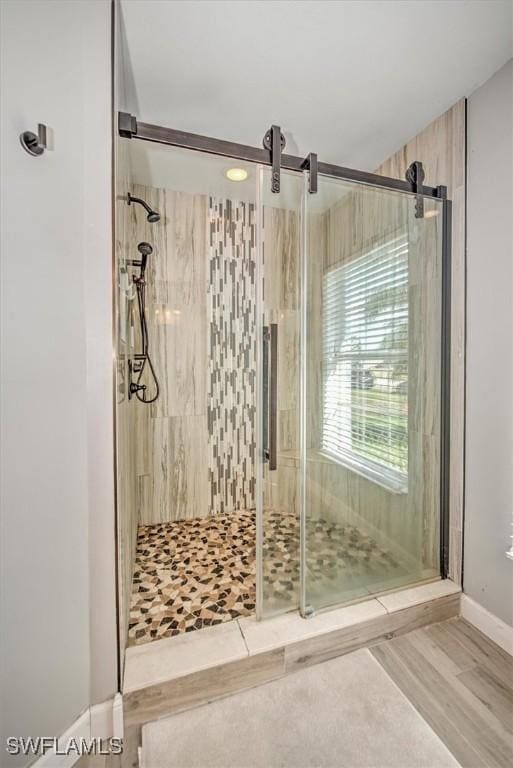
point(296, 456)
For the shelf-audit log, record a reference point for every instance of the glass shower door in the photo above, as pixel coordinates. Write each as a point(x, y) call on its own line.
point(278, 425)
point(370, 393)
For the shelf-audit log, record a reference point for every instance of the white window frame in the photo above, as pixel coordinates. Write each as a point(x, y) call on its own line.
point(380, 473)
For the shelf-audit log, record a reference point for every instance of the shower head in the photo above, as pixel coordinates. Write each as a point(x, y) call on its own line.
point(145, 249)
point(152, 216)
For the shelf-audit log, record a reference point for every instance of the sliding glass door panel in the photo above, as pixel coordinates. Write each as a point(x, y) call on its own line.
point(279, 231)
point(371, 393)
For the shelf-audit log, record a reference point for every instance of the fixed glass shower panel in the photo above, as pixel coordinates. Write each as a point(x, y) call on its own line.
point(187, 459)
point(371, 393)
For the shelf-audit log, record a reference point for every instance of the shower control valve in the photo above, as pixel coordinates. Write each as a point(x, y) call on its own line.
point(136, 366)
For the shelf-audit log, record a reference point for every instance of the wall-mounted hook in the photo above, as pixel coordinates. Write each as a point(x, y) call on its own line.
point(35, 144)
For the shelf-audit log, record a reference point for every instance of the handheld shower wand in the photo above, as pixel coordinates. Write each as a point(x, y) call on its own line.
point(138, 364)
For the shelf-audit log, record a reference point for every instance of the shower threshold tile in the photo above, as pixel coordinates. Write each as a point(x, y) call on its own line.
point(290, 628)
point(181, 655)
point(405, 598)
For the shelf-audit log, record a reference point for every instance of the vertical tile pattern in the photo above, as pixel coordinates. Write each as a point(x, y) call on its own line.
point(231, 376)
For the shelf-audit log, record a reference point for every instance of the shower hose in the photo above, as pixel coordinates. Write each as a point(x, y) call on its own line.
point(146, 359)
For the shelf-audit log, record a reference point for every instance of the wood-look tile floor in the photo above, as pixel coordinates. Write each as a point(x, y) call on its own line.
point(458, 681)
point(462, 685)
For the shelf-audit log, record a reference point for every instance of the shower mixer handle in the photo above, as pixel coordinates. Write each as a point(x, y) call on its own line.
point(134, 388)
point(135, 366)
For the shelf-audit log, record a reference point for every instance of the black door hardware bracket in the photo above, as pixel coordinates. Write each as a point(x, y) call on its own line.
point(415, 176)
point(311, 163)
point(274, 141)
point(127, 125)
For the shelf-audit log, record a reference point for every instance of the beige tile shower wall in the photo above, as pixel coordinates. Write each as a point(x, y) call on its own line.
point(171, 465)
point(441, 148)
point(196, 446)
point(201, 427)
point(363, 219)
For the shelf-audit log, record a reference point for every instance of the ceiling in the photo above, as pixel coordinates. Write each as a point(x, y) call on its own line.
point(352, 81)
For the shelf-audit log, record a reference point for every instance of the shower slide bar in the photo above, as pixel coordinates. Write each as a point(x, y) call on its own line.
point(129, 127)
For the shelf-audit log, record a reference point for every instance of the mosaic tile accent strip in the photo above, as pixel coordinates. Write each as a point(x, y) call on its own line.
point(231, 377)
point(197, 573)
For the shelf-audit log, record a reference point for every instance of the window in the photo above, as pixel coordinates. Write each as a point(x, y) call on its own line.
point(365, 363)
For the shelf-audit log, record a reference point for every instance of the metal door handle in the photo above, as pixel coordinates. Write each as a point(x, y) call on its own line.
point(270, 364)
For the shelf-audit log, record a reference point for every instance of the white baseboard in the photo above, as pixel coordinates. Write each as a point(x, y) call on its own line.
point(117, 716)
point(490, 625)
point(81, 729)
point(101, 721)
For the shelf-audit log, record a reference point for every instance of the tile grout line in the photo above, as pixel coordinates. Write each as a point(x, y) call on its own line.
point(382, 604)
point(243, 637)
point(426, 599)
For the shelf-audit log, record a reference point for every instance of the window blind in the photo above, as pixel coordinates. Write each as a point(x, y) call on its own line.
point(365, 362)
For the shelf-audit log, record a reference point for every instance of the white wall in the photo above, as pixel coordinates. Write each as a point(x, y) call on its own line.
point(100, 355)
point(488, 574)
point(57, 520)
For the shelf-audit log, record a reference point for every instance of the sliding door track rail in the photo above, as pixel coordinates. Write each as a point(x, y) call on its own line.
point(130, 128)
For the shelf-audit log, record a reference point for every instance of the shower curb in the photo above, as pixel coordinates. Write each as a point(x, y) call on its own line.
point(191, 690)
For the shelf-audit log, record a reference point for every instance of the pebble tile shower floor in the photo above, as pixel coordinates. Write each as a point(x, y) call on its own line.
point(197, 573)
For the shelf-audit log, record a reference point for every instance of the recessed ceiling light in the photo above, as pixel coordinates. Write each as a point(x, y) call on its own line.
point(237, 174)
